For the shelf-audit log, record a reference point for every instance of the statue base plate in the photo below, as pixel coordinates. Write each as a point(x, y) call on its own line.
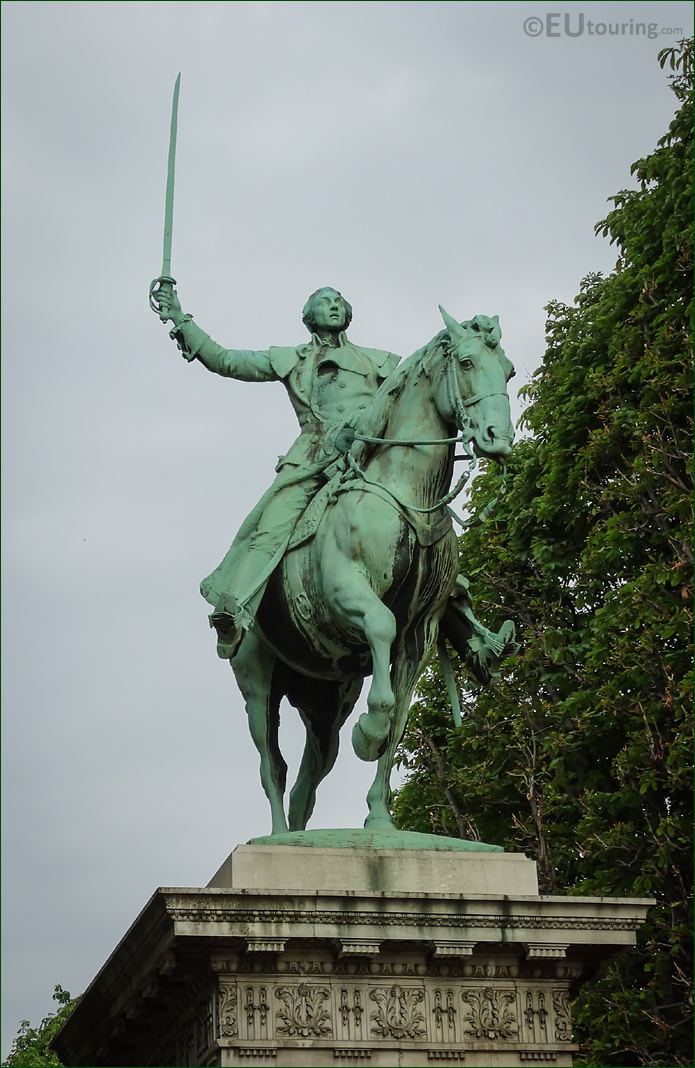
point(312, 955)
point(368, 838)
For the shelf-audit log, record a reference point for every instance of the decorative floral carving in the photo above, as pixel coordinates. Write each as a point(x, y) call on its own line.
point(396, 1014)
point(563, 1019)
point(227, 1010)
point(491, 1014)
point(346, 1009)
point(444, 1008)
point(252, 1006)
point(535, 1010)
point(304, 1012)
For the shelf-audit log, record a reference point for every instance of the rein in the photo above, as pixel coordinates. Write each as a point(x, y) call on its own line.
point(459, 406)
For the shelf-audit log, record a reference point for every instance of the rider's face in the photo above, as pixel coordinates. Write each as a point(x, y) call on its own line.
point(328, 309)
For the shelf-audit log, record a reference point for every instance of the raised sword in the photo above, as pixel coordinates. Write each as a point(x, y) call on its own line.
point(162, 286)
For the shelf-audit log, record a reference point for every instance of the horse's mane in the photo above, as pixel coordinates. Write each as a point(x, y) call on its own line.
point(420, 363)
point(409, 369)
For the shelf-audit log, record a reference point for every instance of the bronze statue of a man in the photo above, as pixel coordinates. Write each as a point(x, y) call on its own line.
point(331, 383)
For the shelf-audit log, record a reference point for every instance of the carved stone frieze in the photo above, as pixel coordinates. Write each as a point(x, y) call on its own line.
point(444, 1012)
point(256, 1009)
point(397, 1014)
point(305, 1001)
point(536, 1015)
point(350, 1012)
point(563, 1018)
point(304, 1012)
point(227, 1010)
point(491, 1014)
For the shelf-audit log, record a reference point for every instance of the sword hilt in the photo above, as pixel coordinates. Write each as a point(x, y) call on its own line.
point(165, 285)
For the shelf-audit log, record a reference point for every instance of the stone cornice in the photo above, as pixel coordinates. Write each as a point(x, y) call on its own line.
point(174, 942)
point(404, 911)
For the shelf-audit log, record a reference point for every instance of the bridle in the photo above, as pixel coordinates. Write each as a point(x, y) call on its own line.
point(459, 408)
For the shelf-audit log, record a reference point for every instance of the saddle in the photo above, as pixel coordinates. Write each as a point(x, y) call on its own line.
point(428, 529)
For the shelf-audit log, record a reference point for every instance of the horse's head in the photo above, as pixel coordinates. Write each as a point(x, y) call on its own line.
point(475, 373)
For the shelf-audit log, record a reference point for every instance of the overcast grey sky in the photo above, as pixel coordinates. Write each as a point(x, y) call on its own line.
point(407, 153)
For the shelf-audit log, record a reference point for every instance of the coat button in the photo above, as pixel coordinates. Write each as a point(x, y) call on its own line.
point(362, 407)
point(341, 407)
point(341, 385)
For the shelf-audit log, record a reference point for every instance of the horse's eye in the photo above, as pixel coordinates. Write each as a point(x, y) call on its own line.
point(466, 363)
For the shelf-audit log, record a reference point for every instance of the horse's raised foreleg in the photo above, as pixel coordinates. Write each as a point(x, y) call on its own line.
point(324, 707)
point(405, 676)
point(254, 667)
point(359, 608)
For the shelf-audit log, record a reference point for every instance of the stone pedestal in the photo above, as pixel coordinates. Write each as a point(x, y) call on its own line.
point(307, 956)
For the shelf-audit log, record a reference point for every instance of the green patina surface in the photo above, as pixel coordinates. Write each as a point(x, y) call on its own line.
point(308, 601)
point(364, 838)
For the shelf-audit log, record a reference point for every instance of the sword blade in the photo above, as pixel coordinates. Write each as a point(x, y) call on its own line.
point(171, 166)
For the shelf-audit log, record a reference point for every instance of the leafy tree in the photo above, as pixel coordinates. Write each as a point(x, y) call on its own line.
point(580, 754)
point(31, 1047)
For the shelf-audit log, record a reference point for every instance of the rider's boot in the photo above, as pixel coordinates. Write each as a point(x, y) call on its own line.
point(231, 621)
point(482, 650)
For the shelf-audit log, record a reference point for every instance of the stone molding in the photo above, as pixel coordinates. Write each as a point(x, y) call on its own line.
point(225, 977)
point(197, 912)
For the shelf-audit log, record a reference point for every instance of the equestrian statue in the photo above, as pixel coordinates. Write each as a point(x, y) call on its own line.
point(348, 565)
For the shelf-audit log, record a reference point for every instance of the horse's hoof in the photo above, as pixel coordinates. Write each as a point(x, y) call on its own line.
point(379, 823)
point(367, 744)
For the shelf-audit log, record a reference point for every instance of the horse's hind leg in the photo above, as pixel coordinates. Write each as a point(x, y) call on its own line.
point(324, 707)
point(255, 669)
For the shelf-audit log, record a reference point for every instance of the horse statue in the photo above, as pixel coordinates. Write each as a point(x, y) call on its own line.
point(365, 592)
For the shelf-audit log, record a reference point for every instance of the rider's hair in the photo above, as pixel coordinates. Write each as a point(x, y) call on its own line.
point(308, 309)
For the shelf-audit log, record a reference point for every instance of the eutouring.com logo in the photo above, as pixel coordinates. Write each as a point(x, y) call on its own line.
point(576, 24)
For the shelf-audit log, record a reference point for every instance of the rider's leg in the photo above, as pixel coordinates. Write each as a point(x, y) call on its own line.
point(482, 650)
point(236, 587)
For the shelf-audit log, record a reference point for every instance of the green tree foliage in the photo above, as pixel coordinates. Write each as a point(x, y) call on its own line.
point(580, 754)
point(30, 1048)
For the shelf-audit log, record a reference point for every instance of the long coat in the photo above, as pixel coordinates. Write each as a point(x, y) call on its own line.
point(326, 386)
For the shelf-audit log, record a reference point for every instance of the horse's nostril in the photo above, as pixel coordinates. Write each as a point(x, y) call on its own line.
point(491, 433)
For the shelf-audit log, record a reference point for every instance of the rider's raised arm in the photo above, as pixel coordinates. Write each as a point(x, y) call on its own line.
point(244, 364)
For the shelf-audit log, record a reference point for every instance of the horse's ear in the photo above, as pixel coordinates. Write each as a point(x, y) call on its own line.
point(455, 329)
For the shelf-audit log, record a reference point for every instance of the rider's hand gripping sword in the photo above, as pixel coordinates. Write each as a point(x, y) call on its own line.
point(162, 286)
